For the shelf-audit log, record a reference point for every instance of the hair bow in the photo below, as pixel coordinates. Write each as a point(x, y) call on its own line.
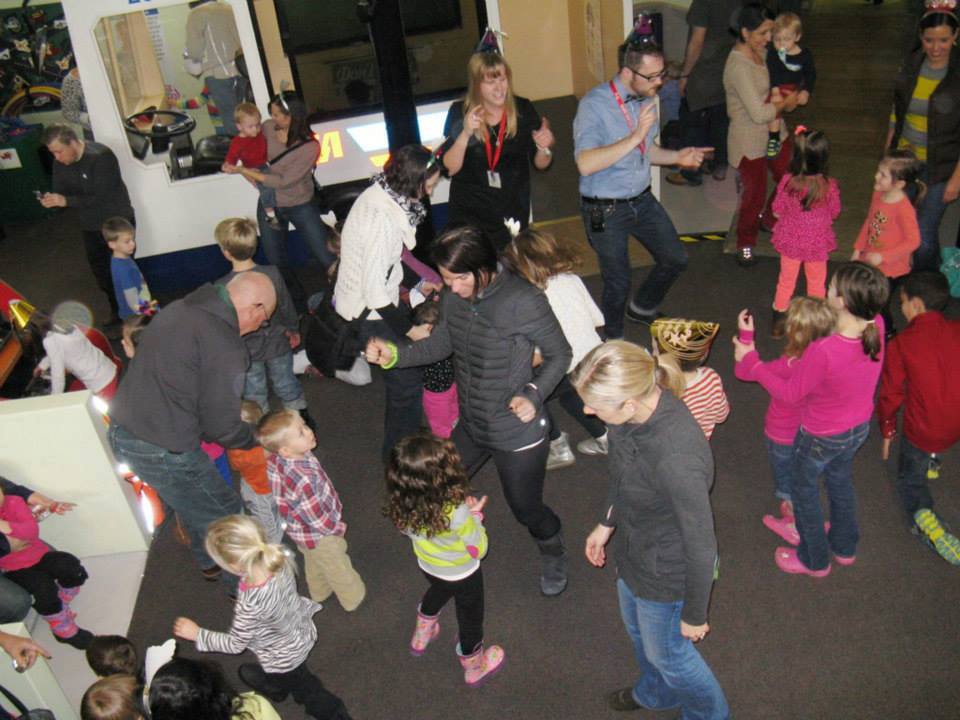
point(942, 6)
point(799, 130)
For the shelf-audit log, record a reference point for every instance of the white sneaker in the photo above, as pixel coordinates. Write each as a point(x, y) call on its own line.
point(593, 446)
point(561, 455)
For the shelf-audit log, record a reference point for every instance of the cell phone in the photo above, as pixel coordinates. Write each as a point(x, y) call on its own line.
point(597, 219)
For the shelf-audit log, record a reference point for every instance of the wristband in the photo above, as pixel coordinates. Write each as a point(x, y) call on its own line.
point(545, 150)
point(394, 359)
point(745, 336)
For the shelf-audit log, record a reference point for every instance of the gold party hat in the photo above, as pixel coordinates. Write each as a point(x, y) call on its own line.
point(20, 313)
point(684, 339)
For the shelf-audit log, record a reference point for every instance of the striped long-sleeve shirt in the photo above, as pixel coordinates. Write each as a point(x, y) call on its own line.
point(270, 619)
point(306, 499)
point(706, 400)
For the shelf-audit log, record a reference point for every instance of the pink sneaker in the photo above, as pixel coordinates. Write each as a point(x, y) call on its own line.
point(844, 560)
point(787, 560)
point(785, 527)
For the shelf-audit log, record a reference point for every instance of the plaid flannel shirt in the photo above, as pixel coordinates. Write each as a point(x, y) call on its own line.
point(306, 499)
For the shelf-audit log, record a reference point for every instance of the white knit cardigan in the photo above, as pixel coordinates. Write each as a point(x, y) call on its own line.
point(374, 235)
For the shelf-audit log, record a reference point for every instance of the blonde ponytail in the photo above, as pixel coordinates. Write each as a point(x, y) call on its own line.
point(237, 544)
point(670, 374)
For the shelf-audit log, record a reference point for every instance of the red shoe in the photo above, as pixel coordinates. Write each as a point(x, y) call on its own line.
point(844, 560)
point(785, 527)
point(787, 560)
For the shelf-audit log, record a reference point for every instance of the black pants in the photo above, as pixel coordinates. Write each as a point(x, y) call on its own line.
point(308, 691)
point(521, 477)
point(570, 401)
point(467, 597)
point(43, 580)
point(894, 298)
point(706, 127)
point(98, 256)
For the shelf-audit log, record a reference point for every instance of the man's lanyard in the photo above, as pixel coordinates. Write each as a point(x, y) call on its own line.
point(626, 115)
point(493, 159)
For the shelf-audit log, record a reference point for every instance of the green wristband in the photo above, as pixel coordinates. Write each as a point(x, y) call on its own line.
point(396, 356)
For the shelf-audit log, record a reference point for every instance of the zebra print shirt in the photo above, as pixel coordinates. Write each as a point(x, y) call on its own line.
point(273, 621)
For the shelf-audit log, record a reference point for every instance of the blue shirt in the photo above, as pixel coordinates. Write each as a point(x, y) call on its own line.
point(126, 274)
point(600, 122)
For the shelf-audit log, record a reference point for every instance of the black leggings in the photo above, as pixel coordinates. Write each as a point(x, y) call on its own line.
point(521, 477)
point(570, 401)
point(308, 691)
point(467, 596)
point(43, 580)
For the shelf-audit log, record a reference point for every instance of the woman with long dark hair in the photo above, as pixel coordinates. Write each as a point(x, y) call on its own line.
point(926, 120)
point(491, 322)
point(382, 224)
point(292, 152)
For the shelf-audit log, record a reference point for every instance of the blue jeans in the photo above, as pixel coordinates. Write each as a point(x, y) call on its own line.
point(15, 602)
point(306, 219)
point(672, 672)
point(831, 457)
point(403, 409)
point(912, 478)
point(929, 214)
point(224, 95)
point(188, 482)
point(781, 465)
point(646, 220)
point(285, 383)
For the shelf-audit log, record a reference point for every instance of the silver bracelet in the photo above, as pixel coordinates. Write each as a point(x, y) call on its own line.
point(545, 150)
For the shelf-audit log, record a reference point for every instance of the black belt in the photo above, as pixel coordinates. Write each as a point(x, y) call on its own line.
point(612, 201)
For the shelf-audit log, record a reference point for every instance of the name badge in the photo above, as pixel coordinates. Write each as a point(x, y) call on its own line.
point(493, 179)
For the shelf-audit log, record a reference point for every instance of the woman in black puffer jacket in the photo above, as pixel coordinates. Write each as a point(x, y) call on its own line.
point(491, 322)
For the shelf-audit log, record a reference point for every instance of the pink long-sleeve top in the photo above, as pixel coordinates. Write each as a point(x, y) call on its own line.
point(833, 382)
point(23, 526)
point(805, 235)
point(782, 420)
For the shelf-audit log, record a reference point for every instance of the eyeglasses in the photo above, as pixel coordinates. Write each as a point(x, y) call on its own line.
point(649, 78)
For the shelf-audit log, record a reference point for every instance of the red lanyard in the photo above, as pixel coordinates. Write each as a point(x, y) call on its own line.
point(492, 159)
point(626, 116)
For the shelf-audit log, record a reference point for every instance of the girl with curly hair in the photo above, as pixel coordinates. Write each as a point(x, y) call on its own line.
point(427, 500)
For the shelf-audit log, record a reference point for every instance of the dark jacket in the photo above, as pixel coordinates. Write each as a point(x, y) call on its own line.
point(659, 501)
point(943, 115)
point(185, 383)
point(93, 187)
point(492, 339)
point(271, 342)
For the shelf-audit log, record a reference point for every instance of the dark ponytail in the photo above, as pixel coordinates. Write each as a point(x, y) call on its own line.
point(864, 290)
point(904, 166)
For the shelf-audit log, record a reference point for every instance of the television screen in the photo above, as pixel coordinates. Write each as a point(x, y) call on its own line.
point(308, 25)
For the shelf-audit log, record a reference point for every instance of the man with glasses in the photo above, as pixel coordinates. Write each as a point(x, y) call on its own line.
point(184, 386)
point(614, 133)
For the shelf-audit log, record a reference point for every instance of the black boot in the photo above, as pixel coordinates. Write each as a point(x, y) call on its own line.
point(553, 559)
point(305, 414)
point(779, 324)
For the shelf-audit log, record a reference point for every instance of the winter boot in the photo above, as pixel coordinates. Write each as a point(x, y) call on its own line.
point(65, 630)
point(307, 419)
point(67, 594)
point(481, 664)
point(428, 627)
point(779, 324)
point(553, 558)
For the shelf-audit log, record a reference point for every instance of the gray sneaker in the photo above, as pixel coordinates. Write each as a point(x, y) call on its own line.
point(561, 455)
point(593, 446)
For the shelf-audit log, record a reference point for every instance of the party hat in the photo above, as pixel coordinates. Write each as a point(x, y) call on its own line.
point(20, 313)
point(642, 33)
point(684, 339)
point(489, 43)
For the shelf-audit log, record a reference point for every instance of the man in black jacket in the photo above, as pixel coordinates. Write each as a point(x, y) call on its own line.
point(184, 386)
point(87, 181)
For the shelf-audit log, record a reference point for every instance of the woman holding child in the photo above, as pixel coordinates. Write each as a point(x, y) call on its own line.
point(292, 155)
point(491, 321)
point(382, 224)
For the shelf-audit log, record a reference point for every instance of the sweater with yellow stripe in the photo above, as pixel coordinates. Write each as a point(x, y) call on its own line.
point(455, 553)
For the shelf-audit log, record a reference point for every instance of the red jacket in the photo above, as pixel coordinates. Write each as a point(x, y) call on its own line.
point(920, 370)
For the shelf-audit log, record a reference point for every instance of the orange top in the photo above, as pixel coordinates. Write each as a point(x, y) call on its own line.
point(891, 230)
point(252, 466)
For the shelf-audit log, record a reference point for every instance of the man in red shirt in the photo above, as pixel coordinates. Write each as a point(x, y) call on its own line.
point(919, 372)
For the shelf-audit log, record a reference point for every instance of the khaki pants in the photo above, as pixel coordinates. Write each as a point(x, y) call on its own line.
point(329, 570)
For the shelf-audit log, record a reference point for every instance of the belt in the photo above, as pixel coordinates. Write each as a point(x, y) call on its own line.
point(612, 201)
